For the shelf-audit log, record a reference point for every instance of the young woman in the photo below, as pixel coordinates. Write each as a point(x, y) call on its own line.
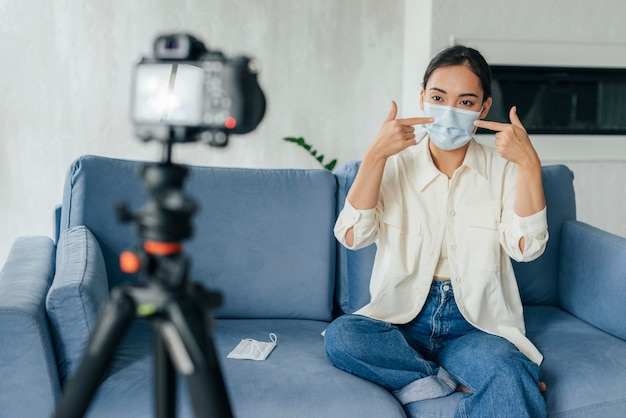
point(446, 214)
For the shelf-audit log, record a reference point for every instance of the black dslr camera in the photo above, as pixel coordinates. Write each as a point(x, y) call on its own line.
point(187, 93)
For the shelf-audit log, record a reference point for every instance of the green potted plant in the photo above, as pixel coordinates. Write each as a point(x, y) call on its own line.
point(309, 148)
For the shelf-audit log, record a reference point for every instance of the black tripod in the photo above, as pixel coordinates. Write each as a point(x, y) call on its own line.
point(179, 310)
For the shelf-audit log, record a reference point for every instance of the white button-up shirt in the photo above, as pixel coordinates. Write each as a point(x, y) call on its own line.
point(417, 205)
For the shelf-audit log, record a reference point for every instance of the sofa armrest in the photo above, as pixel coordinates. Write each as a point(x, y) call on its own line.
point(30, 381)
point(79, 291)
point(592, 276)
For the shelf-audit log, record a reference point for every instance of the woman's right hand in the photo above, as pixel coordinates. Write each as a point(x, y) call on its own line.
point(395, 135)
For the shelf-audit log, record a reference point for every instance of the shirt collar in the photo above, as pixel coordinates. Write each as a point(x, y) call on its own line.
point(476, 159)
point(426, 171)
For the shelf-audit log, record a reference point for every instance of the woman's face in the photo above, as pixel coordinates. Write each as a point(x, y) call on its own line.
point(457, 86)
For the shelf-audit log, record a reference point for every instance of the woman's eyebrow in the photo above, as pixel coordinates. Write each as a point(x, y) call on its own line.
point(438, 89)
point(460, 95)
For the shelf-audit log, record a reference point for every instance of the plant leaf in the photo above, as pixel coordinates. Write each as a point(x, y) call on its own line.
point(331, 165)
point(301, 142)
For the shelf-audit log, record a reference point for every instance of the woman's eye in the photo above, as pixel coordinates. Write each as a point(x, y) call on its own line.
point(437, 98)
point(467, 103)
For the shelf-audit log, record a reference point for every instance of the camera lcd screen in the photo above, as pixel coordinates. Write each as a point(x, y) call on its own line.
point(169, 94)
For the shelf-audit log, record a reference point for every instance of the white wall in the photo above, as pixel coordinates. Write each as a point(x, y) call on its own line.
point(329, 70)
point(555, 32)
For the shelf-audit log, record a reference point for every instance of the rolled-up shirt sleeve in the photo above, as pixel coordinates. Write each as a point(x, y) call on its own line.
point(534, 230)
point(363, 223)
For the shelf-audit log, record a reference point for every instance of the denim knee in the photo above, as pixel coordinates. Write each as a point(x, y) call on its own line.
point(346, 334)
point(486, 356)
point(375, 350)
point(506, 362)
point(503, 380)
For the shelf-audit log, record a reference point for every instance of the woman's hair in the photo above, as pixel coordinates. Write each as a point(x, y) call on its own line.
point(462, 55)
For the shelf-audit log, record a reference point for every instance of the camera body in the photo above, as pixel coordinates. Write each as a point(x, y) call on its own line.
point(186, 93)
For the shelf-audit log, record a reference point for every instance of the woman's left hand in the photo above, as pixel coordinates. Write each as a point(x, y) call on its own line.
point(512, 142)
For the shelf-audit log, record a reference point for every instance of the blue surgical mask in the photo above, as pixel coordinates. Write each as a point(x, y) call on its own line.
point(452, 127)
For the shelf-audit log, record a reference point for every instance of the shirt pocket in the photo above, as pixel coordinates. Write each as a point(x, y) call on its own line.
point(400, 246)
point(399, 225)
point(483, 238)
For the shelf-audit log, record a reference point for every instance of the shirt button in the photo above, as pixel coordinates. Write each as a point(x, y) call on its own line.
point(451, 213)
point(524, 227)
point(453, 247)
point(458, 280)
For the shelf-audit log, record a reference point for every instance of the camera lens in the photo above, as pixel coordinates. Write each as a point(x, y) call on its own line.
point(171, 43)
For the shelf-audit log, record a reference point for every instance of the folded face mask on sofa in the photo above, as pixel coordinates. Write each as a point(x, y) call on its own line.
point(249, 349)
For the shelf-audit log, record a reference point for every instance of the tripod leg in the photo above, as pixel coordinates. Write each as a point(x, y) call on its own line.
point(165, 378)
point(207, 388)
point(204, 377)
point(110, 330)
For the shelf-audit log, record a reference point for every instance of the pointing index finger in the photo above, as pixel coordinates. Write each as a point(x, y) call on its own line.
point(415, 121)
point(492, 126)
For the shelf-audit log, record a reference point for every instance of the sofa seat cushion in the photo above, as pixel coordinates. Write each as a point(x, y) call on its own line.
point(296, 379)
point(583, 366)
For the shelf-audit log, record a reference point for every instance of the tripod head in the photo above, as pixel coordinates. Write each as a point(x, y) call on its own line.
point(162, 224)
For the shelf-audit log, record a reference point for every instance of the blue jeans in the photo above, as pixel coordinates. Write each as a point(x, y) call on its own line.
point(427, 357)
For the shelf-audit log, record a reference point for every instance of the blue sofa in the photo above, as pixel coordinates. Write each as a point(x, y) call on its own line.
point(264, 239)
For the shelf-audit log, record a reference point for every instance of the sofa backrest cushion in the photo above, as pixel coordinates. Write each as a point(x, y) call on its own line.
point(77, 294)
point(537, 280)
point(262, 237)
point(354, 268)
